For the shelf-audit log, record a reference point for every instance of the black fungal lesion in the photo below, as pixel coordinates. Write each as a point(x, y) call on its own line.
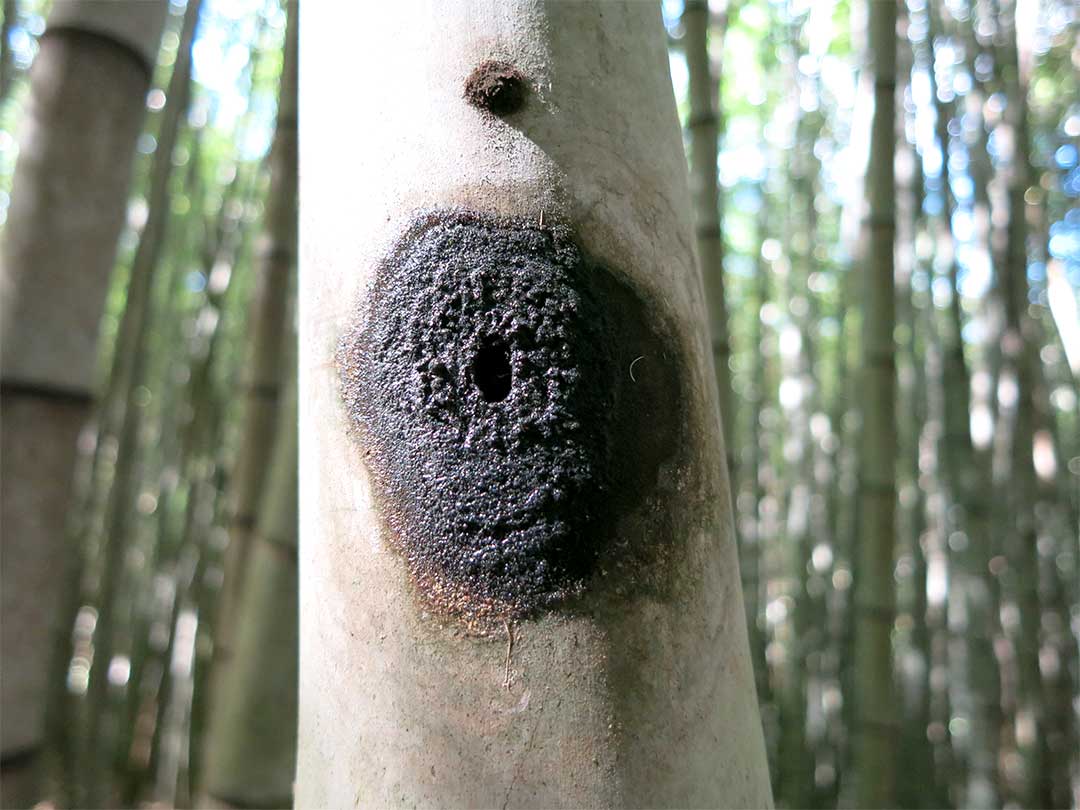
point(488, 374)
point(496, 87)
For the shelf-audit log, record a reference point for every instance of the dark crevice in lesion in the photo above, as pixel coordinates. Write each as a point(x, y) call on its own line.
point(491, 370)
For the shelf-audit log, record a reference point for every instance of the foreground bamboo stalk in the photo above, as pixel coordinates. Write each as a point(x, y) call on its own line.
point(479, 685)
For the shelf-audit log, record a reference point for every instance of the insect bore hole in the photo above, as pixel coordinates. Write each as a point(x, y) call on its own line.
point(491, 370)
point(497, 87)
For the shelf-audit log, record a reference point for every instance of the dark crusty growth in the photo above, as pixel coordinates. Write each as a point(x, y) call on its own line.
point(489, 375)
point(497, 87)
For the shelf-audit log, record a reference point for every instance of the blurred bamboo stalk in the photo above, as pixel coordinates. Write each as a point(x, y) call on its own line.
point(967, 483)
point(129, 371)
point(1014, 469)
point(705, 127)
point(875, 608)
point(250, 754)
point(264, 371)
point(88, 89)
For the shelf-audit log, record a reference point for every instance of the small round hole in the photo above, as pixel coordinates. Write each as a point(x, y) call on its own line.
point(497, 87)
point(491, 370)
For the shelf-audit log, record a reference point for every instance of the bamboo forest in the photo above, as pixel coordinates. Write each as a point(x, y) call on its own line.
point(540, 403)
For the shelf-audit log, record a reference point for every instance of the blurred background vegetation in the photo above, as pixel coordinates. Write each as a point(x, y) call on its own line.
point(984, 637)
